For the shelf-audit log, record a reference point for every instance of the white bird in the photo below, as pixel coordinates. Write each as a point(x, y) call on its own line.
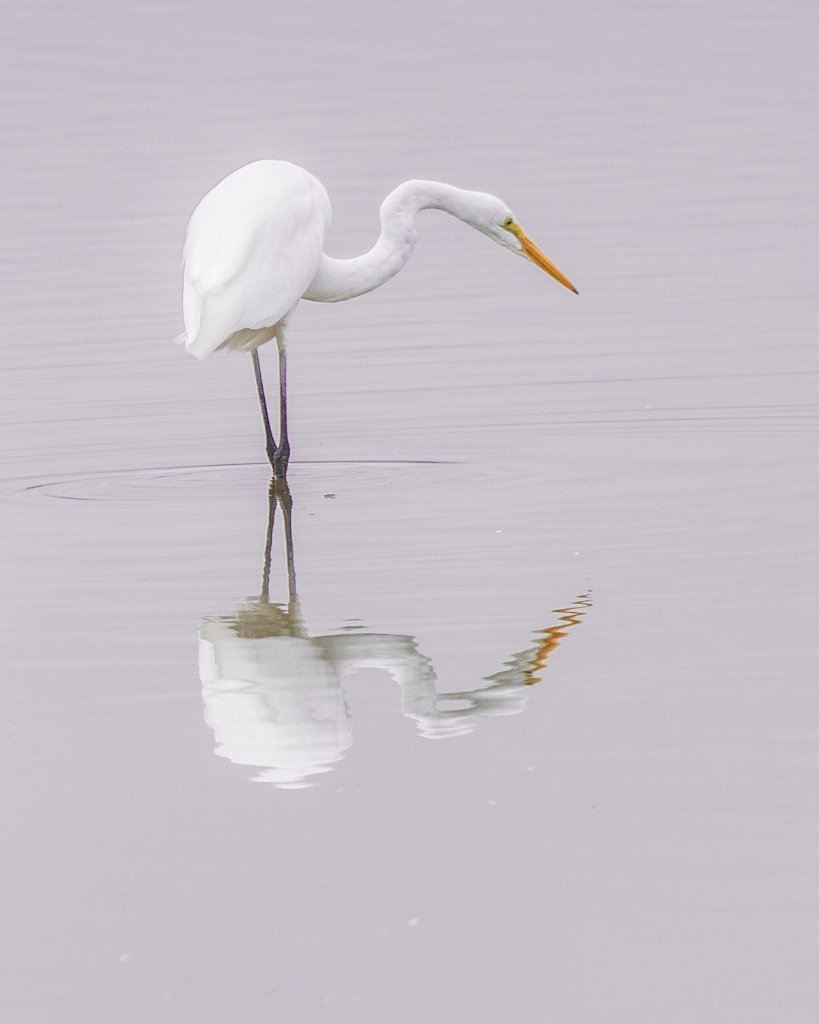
point(254, 247)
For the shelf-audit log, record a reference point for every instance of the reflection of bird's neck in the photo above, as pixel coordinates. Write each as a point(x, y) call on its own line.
point(345, 279)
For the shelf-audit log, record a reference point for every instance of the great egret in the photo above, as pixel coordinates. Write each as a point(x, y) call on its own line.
point(254, 248)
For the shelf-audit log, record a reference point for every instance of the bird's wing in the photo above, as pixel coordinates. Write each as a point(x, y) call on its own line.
point(253, 246)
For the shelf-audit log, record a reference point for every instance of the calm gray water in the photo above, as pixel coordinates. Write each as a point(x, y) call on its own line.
point(530, 731)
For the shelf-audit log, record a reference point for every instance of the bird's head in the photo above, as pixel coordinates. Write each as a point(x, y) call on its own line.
point(493, 217)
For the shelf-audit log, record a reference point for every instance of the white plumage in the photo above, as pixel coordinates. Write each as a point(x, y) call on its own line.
point(253, 246)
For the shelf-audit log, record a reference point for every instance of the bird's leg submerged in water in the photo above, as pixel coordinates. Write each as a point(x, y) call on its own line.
point(285, 501)
point(278, 496)
point(268, 541)
point(278, 454)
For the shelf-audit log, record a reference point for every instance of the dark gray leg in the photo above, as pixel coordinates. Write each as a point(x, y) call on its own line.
point(282, 454)
point(285, 501)
point(268, 543)
point(270, 441)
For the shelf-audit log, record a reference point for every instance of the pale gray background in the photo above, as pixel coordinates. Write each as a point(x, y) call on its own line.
point(640, 843)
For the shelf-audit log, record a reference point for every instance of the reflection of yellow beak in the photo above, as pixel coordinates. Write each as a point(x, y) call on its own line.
point(540, 259)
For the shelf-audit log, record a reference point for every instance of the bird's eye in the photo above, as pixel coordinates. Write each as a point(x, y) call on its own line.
point(508, 222)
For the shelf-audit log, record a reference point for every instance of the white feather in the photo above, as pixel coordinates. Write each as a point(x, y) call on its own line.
point(253, 247)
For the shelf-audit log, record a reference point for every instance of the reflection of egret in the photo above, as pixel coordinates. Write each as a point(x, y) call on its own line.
point(254, 248)
point(273, 695)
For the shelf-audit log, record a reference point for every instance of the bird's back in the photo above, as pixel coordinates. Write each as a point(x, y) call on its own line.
point(253, 246)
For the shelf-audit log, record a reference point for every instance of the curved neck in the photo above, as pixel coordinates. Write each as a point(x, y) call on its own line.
point(337, 279)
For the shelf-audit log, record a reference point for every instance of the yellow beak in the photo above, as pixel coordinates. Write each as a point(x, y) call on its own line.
point(540, 259)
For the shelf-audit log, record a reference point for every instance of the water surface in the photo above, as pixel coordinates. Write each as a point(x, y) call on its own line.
point(525, 729)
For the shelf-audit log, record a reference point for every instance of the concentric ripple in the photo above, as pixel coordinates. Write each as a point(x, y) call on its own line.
point(160, 484)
